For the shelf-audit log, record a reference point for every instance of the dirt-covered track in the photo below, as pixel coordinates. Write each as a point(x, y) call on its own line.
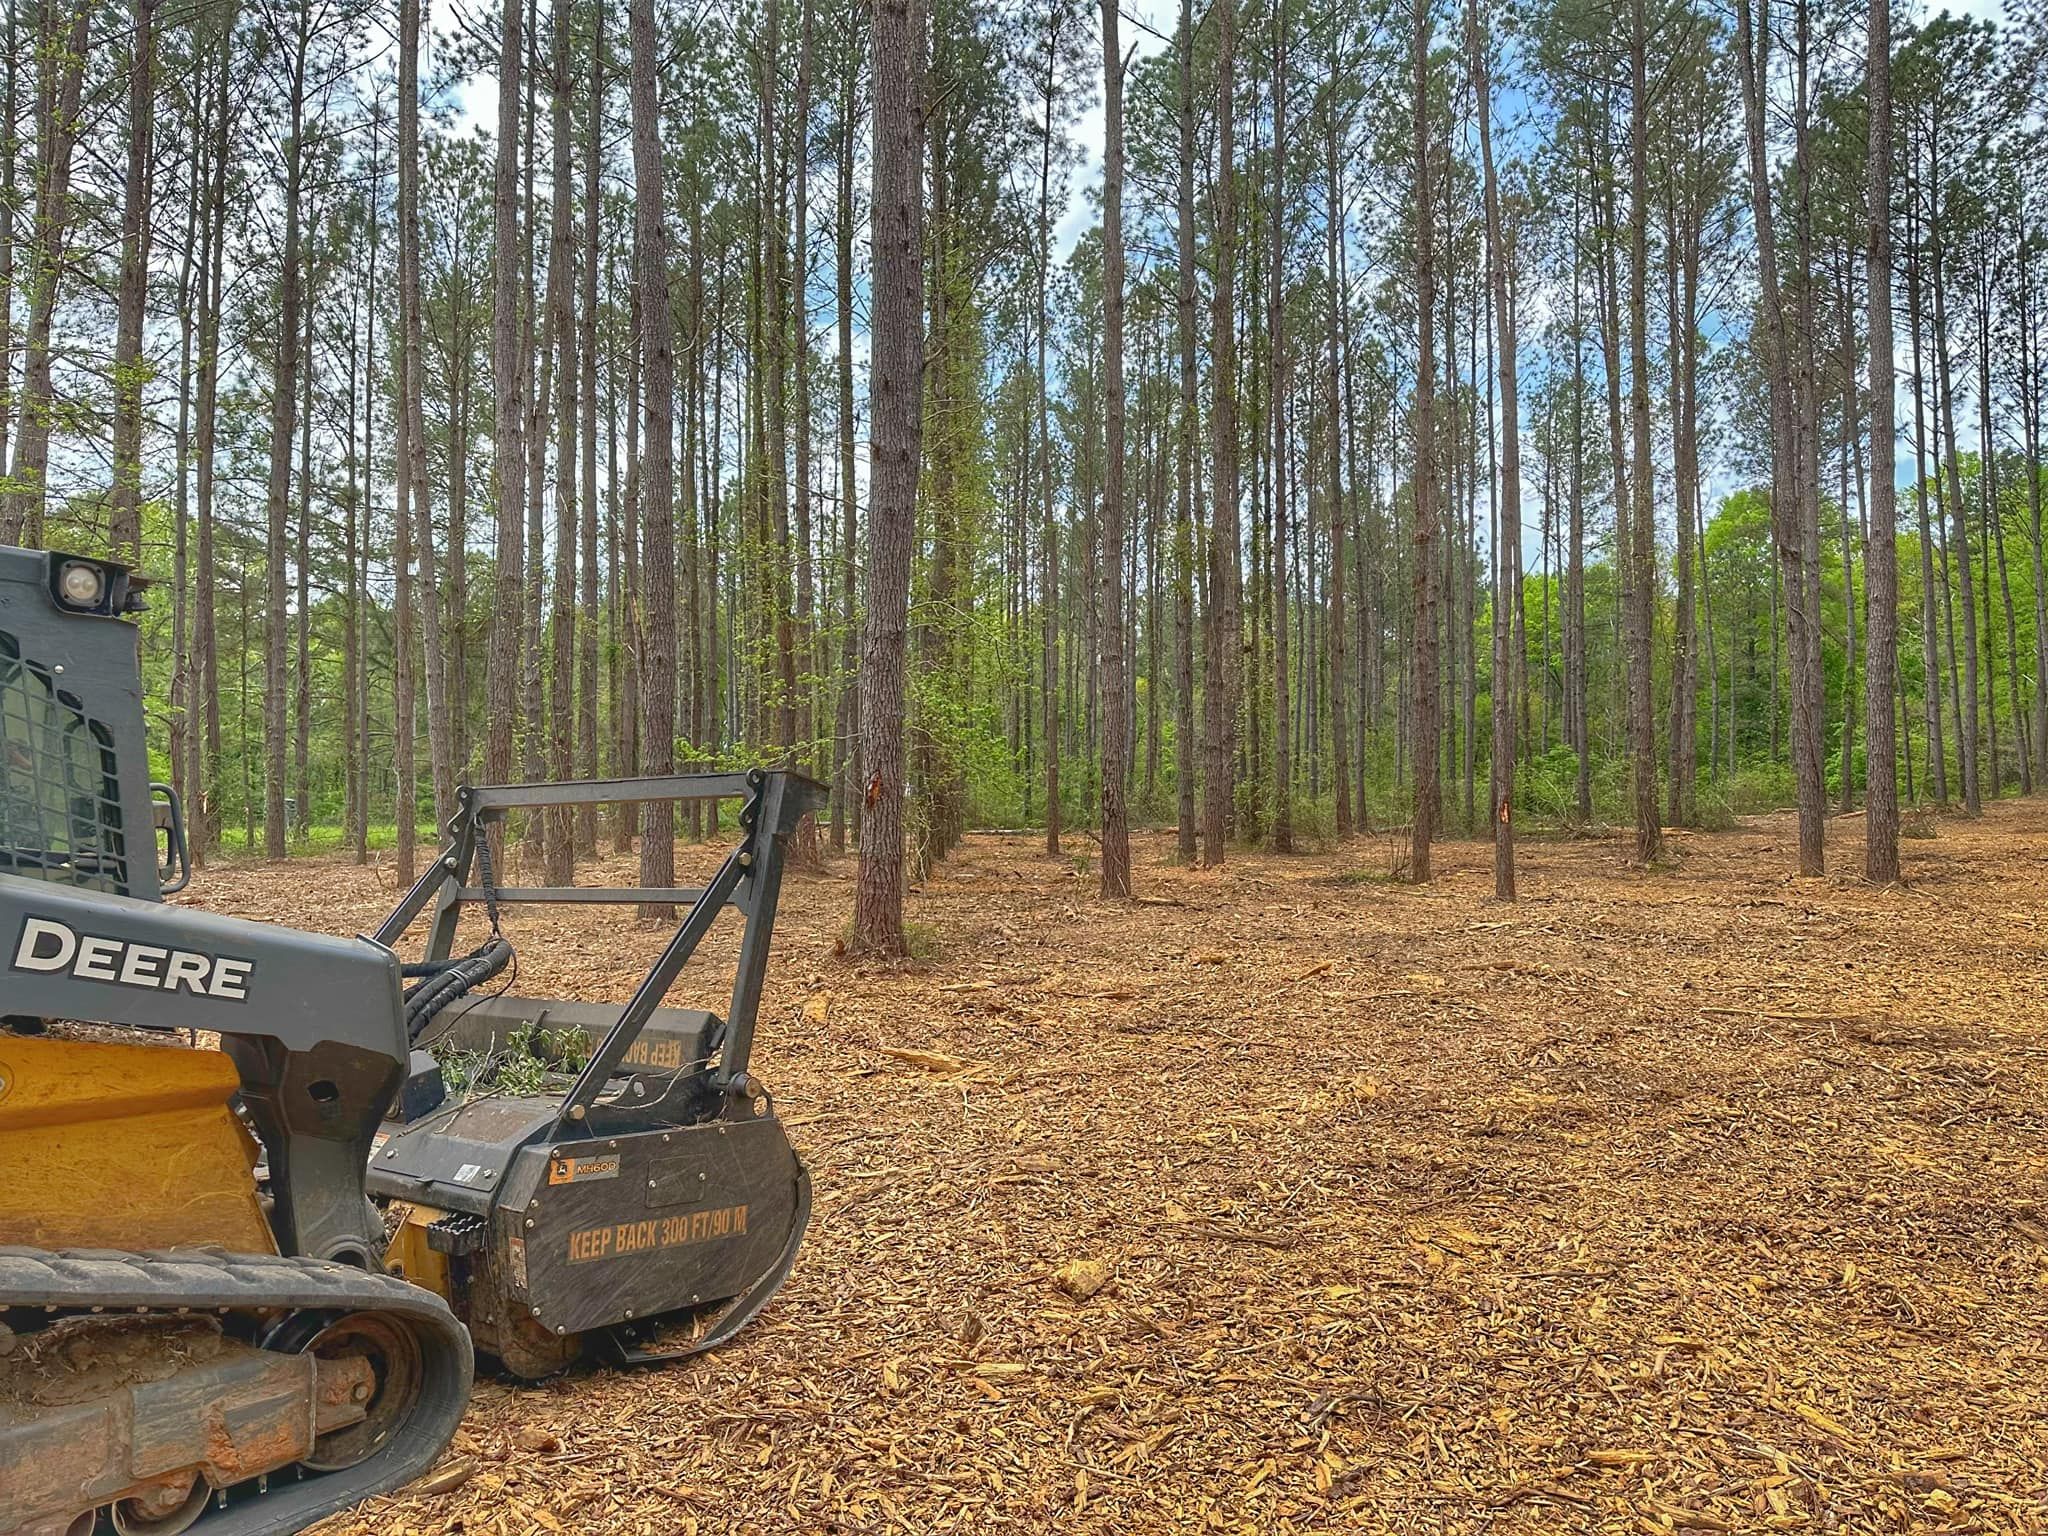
point(1699, 1199)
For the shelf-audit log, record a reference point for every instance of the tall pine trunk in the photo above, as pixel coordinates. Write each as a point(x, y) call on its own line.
point(1507, 593)
point(1967, 725)
point(440, 740)
point(1425, 705)
point(59, 79)
point(284, 404)
point(587, 628)
point(560, 864)
point(1787, 498)
point(1184, 743)
point(1277, 392)
point(10, 133)
point(1049, 586)
point(1641, 544)
point(895, 399)
point(2030, 392)
point(846, 789)
point(1930, 631)
point(130, 372)
point(1224, 642)
point(657, 639)
point(1116, 835)
point(1334, 500)
point(501, 662)
point(206, 774)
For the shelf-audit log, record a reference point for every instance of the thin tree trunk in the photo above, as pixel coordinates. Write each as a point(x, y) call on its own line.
point(1116, 836)
point(1642, 541)
point(1338, 649)
point(206, 775)
point(1930, 633)
point(626, 746)
point(1049, 590)
point(1425, 751)
point(895, 409)
point(1682, 256)
point(657, 461)
point(1224, 630)
point(301, 805)
point(1959, 524)
point(935, 629)
point(806, 845)
point(1277, 390)
point(10, 135)
point(846, 790)
point(367, 502)
point(1607, 288)
point(355, 819)
point(537, 365)
point(1809, 698)
point(1184, 744)
point(60, 79)
point(1575, 669)
point(1507, 594)
point(586, 634)
point(405, 796)
point(191, 276)
point(501, 678)
point(560, 862)
point(1852, 471)
point(461, 374)
point(284, 401)
point(440, 744)
point(2031, 389)
point(1987, 458)
point(1787, 499)
point(693, 660)
point(778, 571)
point(130, 371)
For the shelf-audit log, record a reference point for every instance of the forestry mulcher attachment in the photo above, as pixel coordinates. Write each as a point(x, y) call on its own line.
point(239, 1286)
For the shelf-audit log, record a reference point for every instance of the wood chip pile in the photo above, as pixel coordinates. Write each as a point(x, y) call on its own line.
point(1288, 1199)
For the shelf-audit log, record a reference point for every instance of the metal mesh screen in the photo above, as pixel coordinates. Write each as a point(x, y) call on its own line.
point(60, 809)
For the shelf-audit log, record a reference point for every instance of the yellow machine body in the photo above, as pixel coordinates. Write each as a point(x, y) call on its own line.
point(107, 1144)
point(411, 1255)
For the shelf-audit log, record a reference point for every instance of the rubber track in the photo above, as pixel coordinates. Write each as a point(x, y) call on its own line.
point(209, 1280)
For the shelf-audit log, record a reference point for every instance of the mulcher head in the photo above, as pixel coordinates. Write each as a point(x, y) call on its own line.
point(647, 1204)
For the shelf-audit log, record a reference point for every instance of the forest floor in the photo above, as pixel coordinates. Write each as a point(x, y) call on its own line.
point(1702, 1199)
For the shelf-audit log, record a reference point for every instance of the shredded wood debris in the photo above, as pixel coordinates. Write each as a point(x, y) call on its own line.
point(1702, 1199)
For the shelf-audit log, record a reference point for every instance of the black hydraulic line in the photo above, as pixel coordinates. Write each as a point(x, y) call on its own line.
point(451, 979)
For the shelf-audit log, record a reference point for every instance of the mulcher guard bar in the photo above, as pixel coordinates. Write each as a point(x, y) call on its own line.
point(207, 1280)
point(749, 880)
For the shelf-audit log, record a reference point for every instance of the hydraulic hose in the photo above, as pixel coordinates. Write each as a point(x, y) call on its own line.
point(441, 982)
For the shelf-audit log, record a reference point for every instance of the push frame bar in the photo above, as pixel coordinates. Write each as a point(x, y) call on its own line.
point(773, 801)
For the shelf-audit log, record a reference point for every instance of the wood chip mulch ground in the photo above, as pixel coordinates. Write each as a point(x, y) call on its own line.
point(1703, 1199)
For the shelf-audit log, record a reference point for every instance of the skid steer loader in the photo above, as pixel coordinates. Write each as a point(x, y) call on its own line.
point(239, 1285)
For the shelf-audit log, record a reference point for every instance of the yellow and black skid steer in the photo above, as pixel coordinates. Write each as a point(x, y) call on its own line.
point(239, 1285)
